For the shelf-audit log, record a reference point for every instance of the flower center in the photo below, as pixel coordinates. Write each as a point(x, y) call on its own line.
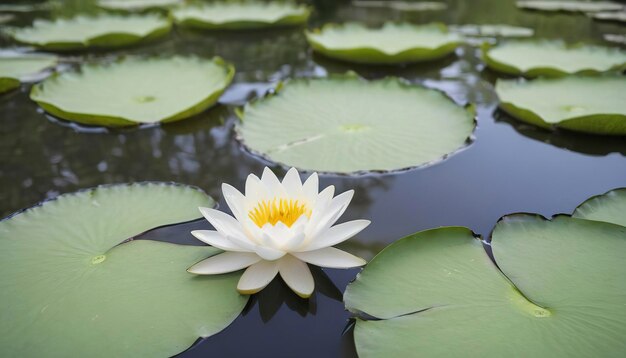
point(272, 211)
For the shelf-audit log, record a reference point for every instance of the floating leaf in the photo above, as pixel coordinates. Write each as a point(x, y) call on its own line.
point(493, 30)
point(619, 16)
point(584, 104)
point(609, 207)
point(99, 31)
point(345, 124)
point(615, 38)
point(14, 68)
point(403, 5)
point(391, 44)
point(572, 6)
point(120, 94)
point(553, 58)
point(71, 287)
point(26, 7)
point(438, 293)
point(242, 15)
point(138, 5)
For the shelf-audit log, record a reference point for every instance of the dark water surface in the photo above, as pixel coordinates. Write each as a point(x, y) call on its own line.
point(510, 167)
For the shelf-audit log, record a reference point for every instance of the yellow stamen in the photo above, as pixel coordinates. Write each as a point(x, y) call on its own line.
point(272, 211)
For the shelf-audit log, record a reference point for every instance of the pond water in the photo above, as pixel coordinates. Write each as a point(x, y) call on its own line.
point(510, 167)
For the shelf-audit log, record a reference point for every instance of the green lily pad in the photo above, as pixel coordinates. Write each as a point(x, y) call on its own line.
point(391, 44)
point(72, 287)
point(345, 124)
point(403, 5)
point(572, 6)
point(584, 104)
point(242, 15)
point(492, 30)
point(14, 68)
point(609, 207)
point(119, 94)
point(619, 16)
point(103, 31)
point(438, 293)
point(138, 5)
point(553, 58)
point(615, 38)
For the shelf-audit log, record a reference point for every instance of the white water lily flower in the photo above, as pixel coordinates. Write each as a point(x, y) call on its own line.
point(277, 229)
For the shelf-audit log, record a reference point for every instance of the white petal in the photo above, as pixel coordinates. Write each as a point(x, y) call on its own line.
point(255, 191)
point(292, 184)
point(235, 200)
point(268, 253)
point(218, 240)
point(336, 234)
point(321, 204)
point(296, 275)
point(310, 189)
point(227, 226)
point(330, 257)
point(224, 262)
point(257, 277)
point(337, 207)
point(272, 184)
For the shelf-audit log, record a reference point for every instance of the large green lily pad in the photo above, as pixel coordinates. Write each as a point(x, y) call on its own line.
point(138, 5)
point(572, 6)
point(553, 58)
point(438, 293)
point(135, 91)
point(103, 31)
point(609, 207)
point(71, 287)
point(584, 104)
point(14, 68)
point(242, 15)
point(391, 44)
point(345, 124)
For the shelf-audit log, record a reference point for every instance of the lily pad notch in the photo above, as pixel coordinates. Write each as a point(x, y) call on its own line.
point(118, 94)
point(347, 125)
point(98, 288)
point(391, 44)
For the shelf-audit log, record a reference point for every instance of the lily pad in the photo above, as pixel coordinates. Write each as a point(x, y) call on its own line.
point(345, 124)
point(14, 68)
point(81, 32)
point(571, 6)
point(584, 104)
point(242, 15)
point(619, 16)
point(438, 293)
point(138, 5)
point(119, 94)
point(553, 58)
point(71, 285)
point(493, 30)
point(403, 5)
point(615, 38)
point(391, 44)
point(609, 207)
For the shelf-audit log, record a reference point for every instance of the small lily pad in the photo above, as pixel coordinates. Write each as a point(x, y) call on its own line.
point(619, 16)
point(571, 6)
point(14, 68)
point(391, 44)
point(553, 58)
point(103, 31)
point(609, 207)
point(615, 38)
point(492, 30)
point(242, 15)
point(72, 287)
point(402, 5)
point(560, 292)
point(135, 91)
point(584, 104)
point(345, 124)
point(138, 5)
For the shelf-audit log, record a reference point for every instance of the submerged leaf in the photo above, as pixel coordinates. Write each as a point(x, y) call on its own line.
point(572, 6)
point(82, 32)
point(584, 104)
point(553, 58)
point(391, 44)
point(70, 285)
point(241, 15)
point(120, 94)
point(14, 68)
point(345, 124)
